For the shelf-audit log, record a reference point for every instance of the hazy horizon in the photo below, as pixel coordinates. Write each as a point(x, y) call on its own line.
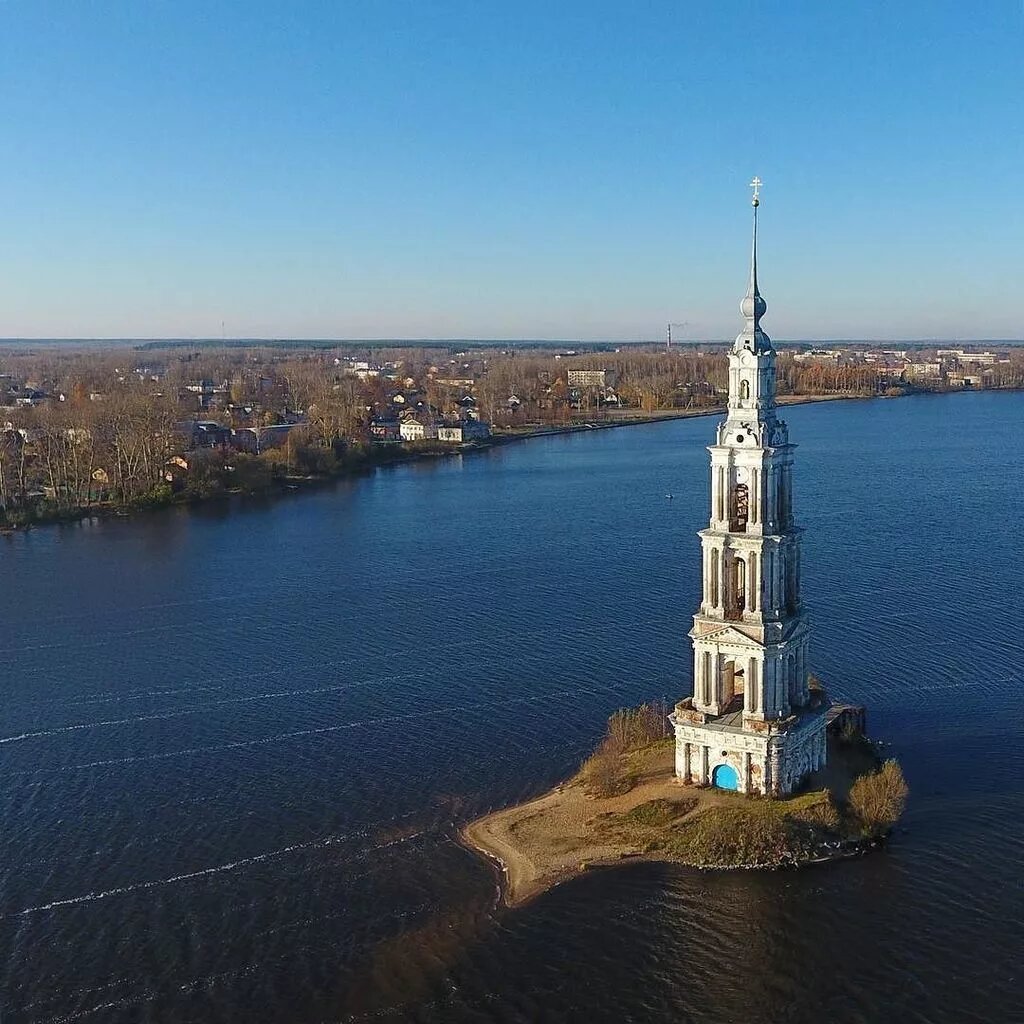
point(495, 342)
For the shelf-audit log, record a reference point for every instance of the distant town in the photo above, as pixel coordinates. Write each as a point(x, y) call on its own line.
point(87, 428)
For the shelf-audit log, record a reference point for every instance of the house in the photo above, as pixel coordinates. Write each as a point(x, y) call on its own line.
point(205, 433)
point(256, 440)
point(417, 428)
point(462, 431)
point(176, 472)
point(385, 430)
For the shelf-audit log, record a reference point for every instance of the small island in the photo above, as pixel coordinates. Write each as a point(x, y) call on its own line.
point(626, 804)
point(763, 769)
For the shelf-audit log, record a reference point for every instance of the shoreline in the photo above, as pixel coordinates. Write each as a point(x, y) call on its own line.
point(298, 484)
point(517, 888)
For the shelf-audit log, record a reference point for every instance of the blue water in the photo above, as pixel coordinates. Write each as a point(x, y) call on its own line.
point(235, 741)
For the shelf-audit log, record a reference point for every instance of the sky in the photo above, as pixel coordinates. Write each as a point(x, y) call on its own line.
point(496, 169)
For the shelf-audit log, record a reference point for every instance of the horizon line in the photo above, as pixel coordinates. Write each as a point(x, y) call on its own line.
point(392, 341)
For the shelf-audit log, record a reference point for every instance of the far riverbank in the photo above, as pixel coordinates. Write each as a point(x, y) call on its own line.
point(368, 459)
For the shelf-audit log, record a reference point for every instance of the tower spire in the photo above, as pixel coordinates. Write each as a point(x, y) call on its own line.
point(753, 306)
point(755, 202)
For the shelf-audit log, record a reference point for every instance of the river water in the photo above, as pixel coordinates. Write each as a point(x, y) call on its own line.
point(234, 741)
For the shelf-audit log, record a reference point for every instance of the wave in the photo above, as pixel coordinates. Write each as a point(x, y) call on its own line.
point(326, 729)
point(189, 876)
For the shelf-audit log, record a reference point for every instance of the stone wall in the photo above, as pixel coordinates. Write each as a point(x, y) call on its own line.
point(772, 764)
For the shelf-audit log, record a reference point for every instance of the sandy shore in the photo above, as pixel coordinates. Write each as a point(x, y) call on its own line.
point(553, 838)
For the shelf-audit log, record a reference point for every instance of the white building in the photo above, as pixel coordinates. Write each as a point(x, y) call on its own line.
point(463, 430)
point(928, 369)
point(590, 378)
point(753, 724)
point(412, 429)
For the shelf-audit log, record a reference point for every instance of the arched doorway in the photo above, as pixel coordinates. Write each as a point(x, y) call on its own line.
point(725, 777)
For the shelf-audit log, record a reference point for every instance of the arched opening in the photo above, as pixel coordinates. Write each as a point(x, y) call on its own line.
point(739, 508)
point(725, 777)
point(735, 588)
point(744, 390)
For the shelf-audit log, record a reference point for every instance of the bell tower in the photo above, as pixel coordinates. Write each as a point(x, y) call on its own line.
point(750, 635)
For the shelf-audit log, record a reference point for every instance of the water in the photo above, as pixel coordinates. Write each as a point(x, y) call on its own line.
point(233, 743)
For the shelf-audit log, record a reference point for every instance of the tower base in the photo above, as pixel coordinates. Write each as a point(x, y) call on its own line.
point(768, 758)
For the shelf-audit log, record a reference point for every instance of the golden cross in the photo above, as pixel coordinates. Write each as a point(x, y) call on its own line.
point(756, 186)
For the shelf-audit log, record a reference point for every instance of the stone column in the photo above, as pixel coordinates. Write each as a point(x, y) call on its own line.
point(746, 771)
point(775, 768)
point(752, 585)
point(704, 762)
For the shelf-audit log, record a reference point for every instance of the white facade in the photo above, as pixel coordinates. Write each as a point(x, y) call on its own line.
point(588, 378)
point(464, 430)
point(753, 724)
point(413, 430)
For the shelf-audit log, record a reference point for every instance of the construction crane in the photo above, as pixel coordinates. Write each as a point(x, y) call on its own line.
point(668, 337)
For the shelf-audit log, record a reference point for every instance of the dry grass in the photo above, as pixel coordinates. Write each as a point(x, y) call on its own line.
point(744, 831)
point(607, 772)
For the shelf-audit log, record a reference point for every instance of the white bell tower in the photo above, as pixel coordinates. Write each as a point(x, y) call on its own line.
point(752, 723)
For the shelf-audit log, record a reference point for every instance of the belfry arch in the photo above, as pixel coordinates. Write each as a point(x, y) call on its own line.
point(735, 585)
point(739, 508)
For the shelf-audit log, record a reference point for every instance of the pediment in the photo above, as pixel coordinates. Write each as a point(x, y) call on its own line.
point(725, 635)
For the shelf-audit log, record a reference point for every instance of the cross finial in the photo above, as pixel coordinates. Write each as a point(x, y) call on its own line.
point(756, 186)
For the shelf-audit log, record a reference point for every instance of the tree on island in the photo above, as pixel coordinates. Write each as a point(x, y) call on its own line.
point(878, 798)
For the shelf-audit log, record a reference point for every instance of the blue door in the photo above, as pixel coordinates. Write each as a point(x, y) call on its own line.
point(725, 777)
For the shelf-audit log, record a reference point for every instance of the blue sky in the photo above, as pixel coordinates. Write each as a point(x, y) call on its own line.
point(509, 169)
